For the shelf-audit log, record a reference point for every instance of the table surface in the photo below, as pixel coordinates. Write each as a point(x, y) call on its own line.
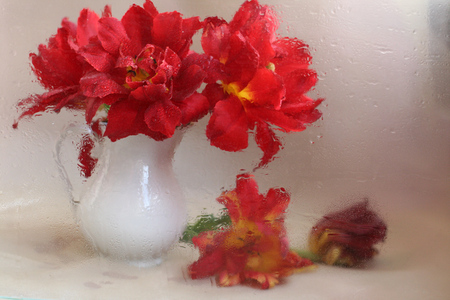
point(44, 256)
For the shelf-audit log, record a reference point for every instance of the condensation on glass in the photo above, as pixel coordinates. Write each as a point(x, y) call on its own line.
point(384, 69)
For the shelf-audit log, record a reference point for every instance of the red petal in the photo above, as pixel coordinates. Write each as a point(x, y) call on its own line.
point(193, 108)
point(207, 265)
point(299, 103)
point(71, 29)
point(171, 63)
point(87, 26)
point(138, 25)
point(93, 104)
point(86, 162)
point(150, 8)
point(268, 142)
point(299, 82)
point(214, 93)
point(57, 65)
point(126, 118)
point(242, 61)
point(106, 13)
point(112, 35)
point(227, 128)
point(50, 100)
point(265, 89)
point(248, 194)
point(163, 117)
point(258, 24)
point(278, 118)
point(100, 85)
point(215, 38)
point(304, 113)
point(150, 93)
point(291, 54)
point(276, 202)
point(189, 27)
point(92, 107)
point(98, 58)
point(167, 30)
point(188, 81)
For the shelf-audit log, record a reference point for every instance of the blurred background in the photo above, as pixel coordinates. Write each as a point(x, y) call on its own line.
point(384, 69)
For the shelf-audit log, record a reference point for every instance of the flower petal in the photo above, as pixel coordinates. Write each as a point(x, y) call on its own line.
point(100, 85)
point(242, 60)
point(299, 82)
point(167, 30)
point(227, 128)
point(193, 108)
point(207, 265)
point(87, 26)
point(163, 117)
point(51, 100)
point(188, 81)
point(112, 35)
point(138, 26)
point(86, 162)
point(97, 57)
point(258, 24)
point(268, 142)
point(247, 193)
point(291, 54)
point(276, 202)
point(126, 118)
point(226, 279)
point(215, 38)
point(214, 93)
point(150, 8)
point(265, 89)
point(57, 66)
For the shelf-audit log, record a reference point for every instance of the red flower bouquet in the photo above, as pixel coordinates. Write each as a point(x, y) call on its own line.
point(138, 75)
point(254, 249)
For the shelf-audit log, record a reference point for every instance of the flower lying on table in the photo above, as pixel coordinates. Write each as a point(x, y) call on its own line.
point(255, 248)
point(348, 237)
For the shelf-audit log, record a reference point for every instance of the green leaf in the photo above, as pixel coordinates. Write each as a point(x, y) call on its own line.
point(308, 255)
point(205, 223)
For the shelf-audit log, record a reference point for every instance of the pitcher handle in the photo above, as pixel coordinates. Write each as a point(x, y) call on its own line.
point(72, 131)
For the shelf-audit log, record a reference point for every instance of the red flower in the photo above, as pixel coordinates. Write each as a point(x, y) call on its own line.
point(59, 68)
point(348, 237)
point(139, 67)
point(255, 248)
point(262, 81)
point(144, 73)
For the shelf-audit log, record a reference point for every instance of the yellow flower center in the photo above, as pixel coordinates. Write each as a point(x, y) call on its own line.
point(233, 88)
point(271, 67)
point(136, 75)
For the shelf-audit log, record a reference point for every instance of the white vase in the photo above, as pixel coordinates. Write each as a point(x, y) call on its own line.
point(133, 208)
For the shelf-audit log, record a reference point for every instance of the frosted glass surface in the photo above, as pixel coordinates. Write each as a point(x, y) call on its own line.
point(384, 69)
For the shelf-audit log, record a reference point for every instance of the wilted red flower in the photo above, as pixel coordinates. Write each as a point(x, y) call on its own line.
point(254, 249)
point(348, 237)
point(257, 82)
point(138, 67)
